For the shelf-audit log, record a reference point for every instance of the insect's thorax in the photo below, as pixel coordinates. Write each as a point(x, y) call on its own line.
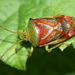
point(47, 30)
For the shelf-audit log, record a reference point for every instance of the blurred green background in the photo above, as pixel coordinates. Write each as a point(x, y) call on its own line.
point(14, 15)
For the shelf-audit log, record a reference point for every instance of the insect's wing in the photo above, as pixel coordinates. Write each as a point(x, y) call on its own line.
point(51, 20)
point(54, 30)
point(56, 37)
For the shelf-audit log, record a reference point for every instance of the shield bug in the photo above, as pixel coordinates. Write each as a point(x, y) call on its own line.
point(47, 30)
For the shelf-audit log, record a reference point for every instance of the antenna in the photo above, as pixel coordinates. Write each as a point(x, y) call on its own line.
point(10, 48)
point(13, 44)
point(8, 30)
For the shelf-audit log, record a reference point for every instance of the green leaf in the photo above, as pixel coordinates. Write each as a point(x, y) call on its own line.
point(14, 15)
point(69, 42)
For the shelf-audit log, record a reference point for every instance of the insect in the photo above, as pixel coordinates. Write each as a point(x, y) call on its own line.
point(47, 30)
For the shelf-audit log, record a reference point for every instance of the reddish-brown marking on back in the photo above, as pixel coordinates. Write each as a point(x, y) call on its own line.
point(43, 41)
point(44, 22)
point(68, 19)
point(70, 29)
point(42, 30)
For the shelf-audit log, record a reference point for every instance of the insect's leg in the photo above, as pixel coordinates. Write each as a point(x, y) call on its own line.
point(31, 50)
point(65, 44)
point(50, 49)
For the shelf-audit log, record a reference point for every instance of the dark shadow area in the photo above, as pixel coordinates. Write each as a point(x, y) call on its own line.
point(54, 63)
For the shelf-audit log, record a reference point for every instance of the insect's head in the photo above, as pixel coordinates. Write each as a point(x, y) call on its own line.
point(22, 34)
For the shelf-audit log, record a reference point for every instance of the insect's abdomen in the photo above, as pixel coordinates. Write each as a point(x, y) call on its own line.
point(47, 30)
